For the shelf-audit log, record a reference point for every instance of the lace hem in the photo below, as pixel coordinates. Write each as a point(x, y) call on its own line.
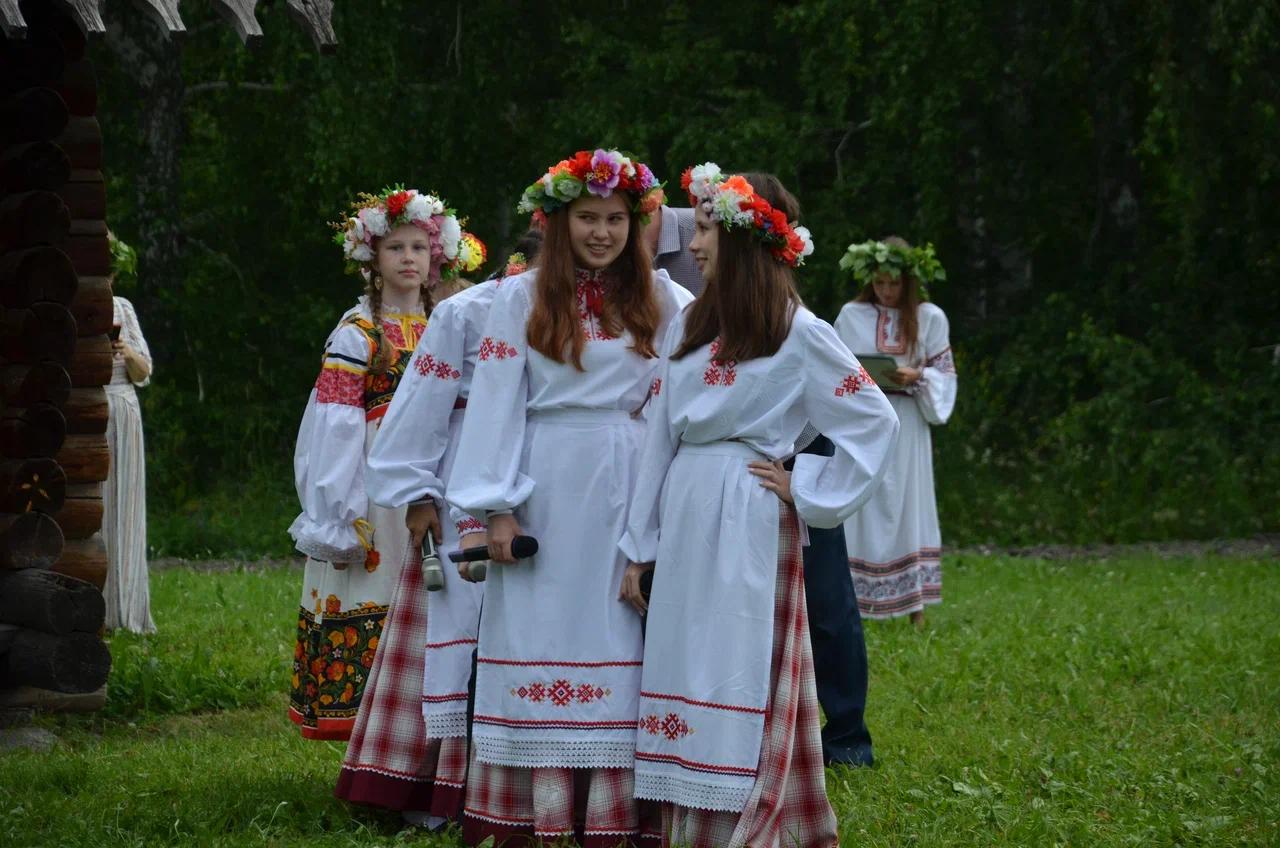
point(326, 543)
point(555, 753)
point(445, 725)
point(689, 793)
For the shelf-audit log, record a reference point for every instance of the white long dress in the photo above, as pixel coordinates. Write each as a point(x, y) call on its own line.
point(714, 533)
point(124, 494)
point(895, 543)
point(341, 611)
point(410, 461)
point(559, 657)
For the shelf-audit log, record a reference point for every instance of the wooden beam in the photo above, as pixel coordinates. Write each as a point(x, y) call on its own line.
point(166, 14)
point(87, 15)
point(14, 25)
point(239, 13)
point(315, 16)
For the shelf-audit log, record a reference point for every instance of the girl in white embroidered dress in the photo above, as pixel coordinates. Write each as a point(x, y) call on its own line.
point(354, 548)
point(549, 449)
point(409, 749)
point(895, 543)
point(733, 755)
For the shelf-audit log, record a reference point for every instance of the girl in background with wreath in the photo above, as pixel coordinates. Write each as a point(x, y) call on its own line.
point(565, 364)
point(895, 544)
point(728, 737)
point(403, 243)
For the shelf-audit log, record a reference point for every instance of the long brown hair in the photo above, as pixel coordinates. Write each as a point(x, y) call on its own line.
point(908, 302)
point(751, 299)
point(630, 303)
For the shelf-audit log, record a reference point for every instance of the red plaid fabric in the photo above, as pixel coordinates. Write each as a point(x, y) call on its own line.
point(788, 804)
point(390, 762)
point(595, 807)
point(451, 778)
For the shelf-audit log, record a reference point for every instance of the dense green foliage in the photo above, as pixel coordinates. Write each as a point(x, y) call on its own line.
point(1099, 179)
point(1141, 713)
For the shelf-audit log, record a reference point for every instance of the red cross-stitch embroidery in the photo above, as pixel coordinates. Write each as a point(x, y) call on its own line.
point(720, 372)
point(470, 525)
point(427, 365)
point(561, 692)
point(496, 349)
point(852, 383)
point(591, 308)
point(671, 726)
point(335, 385)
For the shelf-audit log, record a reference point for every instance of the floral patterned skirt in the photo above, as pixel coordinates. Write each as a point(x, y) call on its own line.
point(340, 619)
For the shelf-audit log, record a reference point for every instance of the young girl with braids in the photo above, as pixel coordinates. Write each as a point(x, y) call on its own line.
point(548, 448)
point(402, 243)
point(728, 732)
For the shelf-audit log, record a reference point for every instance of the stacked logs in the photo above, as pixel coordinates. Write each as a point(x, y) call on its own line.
point(55, 357)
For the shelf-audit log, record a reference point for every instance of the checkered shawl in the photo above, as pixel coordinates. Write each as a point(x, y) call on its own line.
point(788, 804)
point(595, 807)
point(390, 762)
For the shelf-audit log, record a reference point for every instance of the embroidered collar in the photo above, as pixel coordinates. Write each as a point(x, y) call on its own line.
point(590, 286)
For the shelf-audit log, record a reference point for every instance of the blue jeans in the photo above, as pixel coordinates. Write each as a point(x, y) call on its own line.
point(839, 649)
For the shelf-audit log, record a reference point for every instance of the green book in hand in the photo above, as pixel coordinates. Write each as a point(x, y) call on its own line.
point(881, 367)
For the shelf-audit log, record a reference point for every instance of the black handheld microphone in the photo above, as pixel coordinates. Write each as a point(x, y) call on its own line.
point(522, 547)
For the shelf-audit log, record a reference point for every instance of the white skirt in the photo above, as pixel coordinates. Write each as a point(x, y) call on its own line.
point(124, 515)
point(895, 544)
point(558, 670)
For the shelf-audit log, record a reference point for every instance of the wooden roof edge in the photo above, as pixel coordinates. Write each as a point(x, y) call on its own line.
point(314, 16)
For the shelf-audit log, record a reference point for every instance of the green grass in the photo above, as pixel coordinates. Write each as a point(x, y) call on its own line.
point(1130, 702)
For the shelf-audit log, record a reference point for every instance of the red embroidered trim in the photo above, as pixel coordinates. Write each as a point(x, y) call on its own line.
point(561, 692)
point(882, 335)
point(395, 334)
point(591, 308)
point(554, 723)
point(943, 361)
point(855, 381)
point(559, 663)
point(672, 726)
point(450, 644)
point(470, 525)
point(334, 385)
point(442, 699)
point(659, 696)
point(496, 349)
point(655, 388)
point(694, 765)
point(719, 373)
point(427, 365)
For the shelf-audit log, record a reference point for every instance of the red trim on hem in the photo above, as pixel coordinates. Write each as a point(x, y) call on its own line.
point(442, 699)
point(710, 704)
point(432, 645)
point(554, 723)
point(694, 765)
point(326, 730)
point(446, 801)
point(560, 663)
point(371, 789)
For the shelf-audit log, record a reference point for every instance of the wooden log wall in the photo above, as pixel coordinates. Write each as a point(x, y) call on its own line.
point(55, 357)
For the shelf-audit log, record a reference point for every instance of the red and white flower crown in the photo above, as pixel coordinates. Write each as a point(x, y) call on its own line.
point(734, 203)
point(372, 216)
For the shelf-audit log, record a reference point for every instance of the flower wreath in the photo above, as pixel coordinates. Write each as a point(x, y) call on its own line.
point(869, 258)
point(734, 203)
point(600, 173)
point(516, 264)
point(374, 215)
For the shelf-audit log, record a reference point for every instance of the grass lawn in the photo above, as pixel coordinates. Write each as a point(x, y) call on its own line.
point(1123, 702)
